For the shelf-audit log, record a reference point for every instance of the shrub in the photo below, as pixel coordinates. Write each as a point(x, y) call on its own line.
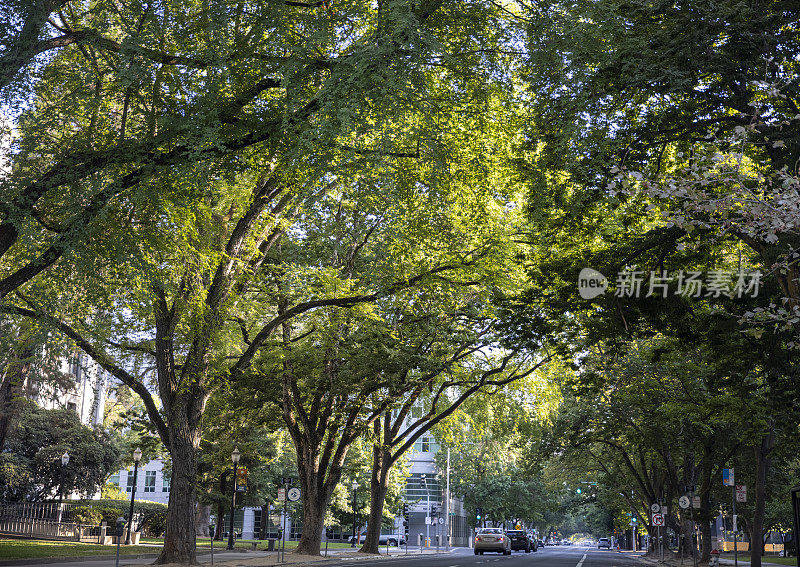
point(149, 517)
point(87, 515)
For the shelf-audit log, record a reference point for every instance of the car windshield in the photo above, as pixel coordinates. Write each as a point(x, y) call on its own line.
point(491, 531)
point(515, 532)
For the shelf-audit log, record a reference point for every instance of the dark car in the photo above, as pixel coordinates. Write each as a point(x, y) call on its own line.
point(520, 541)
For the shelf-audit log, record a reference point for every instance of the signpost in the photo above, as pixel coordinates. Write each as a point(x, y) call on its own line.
point(287, 482)
point(728, 479)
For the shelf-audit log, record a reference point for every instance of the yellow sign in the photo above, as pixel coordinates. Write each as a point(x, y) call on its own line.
point(519, 527)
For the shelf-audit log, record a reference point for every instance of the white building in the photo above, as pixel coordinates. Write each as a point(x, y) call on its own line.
point(84, 391)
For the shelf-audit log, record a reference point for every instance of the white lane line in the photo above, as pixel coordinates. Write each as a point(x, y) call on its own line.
point(580, 563)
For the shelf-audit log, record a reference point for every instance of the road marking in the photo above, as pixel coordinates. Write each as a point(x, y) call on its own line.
point(580, 563)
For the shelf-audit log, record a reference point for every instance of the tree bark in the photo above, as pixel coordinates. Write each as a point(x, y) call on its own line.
point(179, 540)
point(379, 484)
point(202, 519)
point(763, 461)
point(317, 488)
point(221, 505)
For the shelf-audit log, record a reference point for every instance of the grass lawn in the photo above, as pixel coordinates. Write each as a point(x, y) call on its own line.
point(28, 548)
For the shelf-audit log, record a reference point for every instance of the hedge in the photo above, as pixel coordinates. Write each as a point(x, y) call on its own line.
point(150, 517)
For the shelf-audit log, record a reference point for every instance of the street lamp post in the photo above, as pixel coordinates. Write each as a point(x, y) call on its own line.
point(64, 463)
point(137, 456)
point(355, 487)
point(235, 458)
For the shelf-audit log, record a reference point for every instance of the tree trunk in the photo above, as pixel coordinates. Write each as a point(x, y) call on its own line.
point(763, 461)
point(316, 494)
point(316, 489)
point(223, 478)
point(202, 520)
point(379, 481)
point(179, 540)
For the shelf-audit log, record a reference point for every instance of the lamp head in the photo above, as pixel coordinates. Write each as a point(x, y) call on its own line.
point(137, 455)
point(235, 455)
point(355, 485)
point(65, 459)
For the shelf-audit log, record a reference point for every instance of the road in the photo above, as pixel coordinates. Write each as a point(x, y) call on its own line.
point(561, 556)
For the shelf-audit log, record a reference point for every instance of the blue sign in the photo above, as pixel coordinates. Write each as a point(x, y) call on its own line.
point(727, 477)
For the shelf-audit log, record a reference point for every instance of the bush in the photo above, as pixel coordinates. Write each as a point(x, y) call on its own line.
point(149, 517)
point(87, 515)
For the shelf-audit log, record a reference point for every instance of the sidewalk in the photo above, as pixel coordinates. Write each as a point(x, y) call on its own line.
point(676, 562)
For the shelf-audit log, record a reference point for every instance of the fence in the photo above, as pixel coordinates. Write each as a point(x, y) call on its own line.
point(45, 521)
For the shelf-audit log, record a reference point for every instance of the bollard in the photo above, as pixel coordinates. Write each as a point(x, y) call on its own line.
point(714, 562)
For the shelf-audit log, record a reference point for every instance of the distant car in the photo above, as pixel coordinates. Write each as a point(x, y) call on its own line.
point(520, 541)
point(492, 539)
point(604, 542)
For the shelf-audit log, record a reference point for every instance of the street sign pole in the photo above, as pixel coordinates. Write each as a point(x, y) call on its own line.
point(735, 547)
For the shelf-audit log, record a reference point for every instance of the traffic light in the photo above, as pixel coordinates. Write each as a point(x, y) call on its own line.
point(578, 490)
point(405, 520)
point(478, 513)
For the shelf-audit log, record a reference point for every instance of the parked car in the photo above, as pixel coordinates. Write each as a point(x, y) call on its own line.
point(383, 539)
point(520, 541)
point(604, 542)
point(492, 539)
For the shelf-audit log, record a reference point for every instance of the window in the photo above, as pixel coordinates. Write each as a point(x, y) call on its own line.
point(75, 366)
point(423, 445)
point(150, 481)
point(165, 483)
point(416, 412)
point(114, 478)
point(72, 406)
point(129, 487)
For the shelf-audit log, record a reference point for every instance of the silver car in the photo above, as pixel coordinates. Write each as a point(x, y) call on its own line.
point(492, 539)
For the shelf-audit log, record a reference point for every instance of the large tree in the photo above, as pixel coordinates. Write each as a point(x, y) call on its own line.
point(134, 158)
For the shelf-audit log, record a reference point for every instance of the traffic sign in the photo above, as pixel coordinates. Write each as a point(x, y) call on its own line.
point(727, 477)
point(741, 493)
point(293, 494)
point(658, 519)
point(281, 494)
point(441, 520)
point(655, 508)
point(684, 502)
point(287, 480)
point(695, 501)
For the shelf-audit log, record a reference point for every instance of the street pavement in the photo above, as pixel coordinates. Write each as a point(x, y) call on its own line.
point(560, 556)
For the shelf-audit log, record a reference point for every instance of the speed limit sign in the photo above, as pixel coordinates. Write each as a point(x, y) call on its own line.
point(658, 519)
